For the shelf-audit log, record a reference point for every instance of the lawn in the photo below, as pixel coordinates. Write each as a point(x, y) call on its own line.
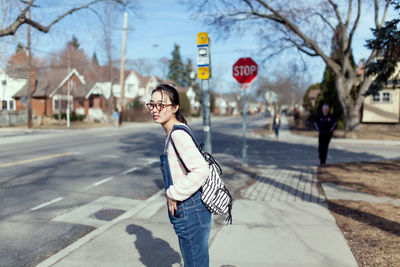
point(372, 230)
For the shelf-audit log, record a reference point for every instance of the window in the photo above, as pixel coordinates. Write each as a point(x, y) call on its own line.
point(11, 105)
point(386, 97)
point(80, 102)
point(130, 89)
point(376, 97)
point(382, 97)
point(3, 105)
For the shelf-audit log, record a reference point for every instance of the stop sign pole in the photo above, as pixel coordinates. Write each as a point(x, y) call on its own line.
point(244, 71)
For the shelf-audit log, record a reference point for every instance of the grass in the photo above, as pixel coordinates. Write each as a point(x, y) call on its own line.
point(370, 133)
point(372, 230)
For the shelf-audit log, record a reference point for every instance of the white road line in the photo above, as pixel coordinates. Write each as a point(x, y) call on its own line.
point(110, 156)
point(130, 170)
point(46, 204)
point(151, 161)
point(103, 181)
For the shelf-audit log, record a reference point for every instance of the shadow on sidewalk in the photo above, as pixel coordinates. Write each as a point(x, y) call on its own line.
point(154, 252)
point(365, 217)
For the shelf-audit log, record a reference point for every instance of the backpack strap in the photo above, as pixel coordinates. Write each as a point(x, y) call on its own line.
point(189, 132)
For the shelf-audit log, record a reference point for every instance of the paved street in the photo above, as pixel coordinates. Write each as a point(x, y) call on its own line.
point(54, 183)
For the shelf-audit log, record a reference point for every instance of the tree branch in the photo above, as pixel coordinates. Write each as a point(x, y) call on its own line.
point(22, 19)
point(325, 20)
point(257, 14)
point(308, 41)
point(349, 13)
point(299, 47)
point(385, 12)
point(376, 13)
point(335, 8)
point(355, 25)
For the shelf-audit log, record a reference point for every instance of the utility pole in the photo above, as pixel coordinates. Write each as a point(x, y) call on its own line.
point(122, 75)
point(244, 129)
point(68, 94)
point(29, 95)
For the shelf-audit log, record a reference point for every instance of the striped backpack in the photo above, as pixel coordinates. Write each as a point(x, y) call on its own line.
point(214, 193)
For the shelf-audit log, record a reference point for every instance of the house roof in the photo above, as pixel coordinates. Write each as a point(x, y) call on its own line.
point(103, 74)
point(48, 82)
point(174, 84)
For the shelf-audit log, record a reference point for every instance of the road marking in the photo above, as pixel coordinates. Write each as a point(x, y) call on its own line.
point(35, 159)
point(151, 161)
point(46, 204)
point(103, 181)
point(110, 156)
point(130, 170)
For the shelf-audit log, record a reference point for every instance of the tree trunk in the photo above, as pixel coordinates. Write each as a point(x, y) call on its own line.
point(345, 82)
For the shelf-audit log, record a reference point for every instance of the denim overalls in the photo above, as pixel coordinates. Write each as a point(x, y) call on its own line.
point(191, 221)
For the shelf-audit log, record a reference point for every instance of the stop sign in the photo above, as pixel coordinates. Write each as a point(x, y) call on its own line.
point(245, 70)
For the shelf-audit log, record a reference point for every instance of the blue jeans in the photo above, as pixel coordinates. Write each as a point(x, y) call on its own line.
point(191, 221)
point(192, 225)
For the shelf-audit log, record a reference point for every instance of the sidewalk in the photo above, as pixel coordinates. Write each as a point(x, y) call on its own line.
point(279, 219)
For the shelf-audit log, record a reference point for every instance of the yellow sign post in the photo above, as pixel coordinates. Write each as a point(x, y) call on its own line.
point(204, 73)
point(203, 56)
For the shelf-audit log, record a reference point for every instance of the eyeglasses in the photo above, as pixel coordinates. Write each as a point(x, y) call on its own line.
point(158, 106)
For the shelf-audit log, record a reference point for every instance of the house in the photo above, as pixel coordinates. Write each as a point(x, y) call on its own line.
point(384, 106)
point(50, 93)
point(136, 86)
point(194, 104)
point(10, 85)
point(221, 106)
point(312, 95)
point(98, 97)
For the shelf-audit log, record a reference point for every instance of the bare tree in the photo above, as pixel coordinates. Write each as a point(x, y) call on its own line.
point(163, 64)
point(308, 26)
point(20, 18)
point(144, 66)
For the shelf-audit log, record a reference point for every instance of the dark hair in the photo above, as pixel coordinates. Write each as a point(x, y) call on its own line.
point(174, 97)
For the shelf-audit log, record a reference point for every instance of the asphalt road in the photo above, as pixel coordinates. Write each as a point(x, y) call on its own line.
point(44, 174)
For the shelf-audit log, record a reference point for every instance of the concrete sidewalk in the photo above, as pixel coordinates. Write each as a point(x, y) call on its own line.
point(278, 220)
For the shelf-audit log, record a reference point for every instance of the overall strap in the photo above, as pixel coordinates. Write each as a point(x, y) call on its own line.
point(188, 131)
point(179, 127)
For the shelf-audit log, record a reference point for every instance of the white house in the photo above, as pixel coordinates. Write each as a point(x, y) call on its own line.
point(97, 96)
point(136, 86)
point(191, 94)
point(221, 106)
point(8, 88)
point(149, 83)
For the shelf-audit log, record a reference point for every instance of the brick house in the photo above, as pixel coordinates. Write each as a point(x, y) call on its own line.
point(50, 93)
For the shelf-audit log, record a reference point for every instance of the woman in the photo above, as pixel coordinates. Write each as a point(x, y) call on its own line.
point(190, 218)
point(277, 124)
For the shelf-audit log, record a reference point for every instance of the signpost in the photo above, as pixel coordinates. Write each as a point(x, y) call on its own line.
point(203, 66)
point(244, 71)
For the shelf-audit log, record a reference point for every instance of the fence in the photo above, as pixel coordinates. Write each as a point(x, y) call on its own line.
point(10, 118)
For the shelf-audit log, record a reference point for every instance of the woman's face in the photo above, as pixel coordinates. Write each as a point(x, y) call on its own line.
point(163, 110)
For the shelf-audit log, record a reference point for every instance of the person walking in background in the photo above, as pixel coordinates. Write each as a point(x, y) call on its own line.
point(187, 213)
point(277, 124)
point(325, 125)
point(116, 118)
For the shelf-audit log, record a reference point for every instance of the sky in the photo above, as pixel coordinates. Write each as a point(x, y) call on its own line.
point(159, 24)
